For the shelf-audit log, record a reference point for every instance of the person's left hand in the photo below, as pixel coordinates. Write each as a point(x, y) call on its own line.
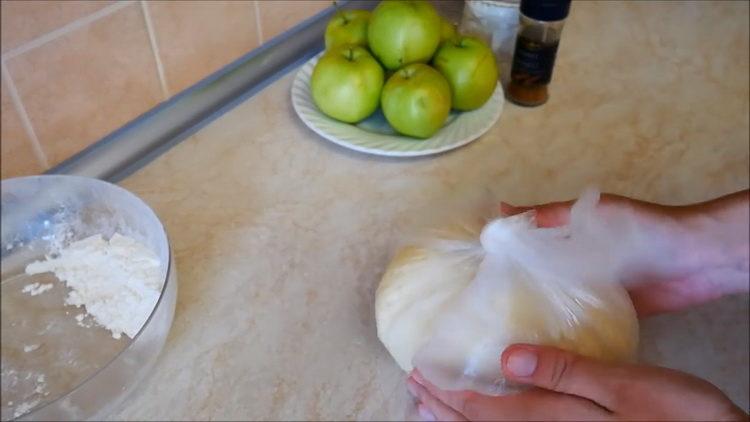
point(571, 387)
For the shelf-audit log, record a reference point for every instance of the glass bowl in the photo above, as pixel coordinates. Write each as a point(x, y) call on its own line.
point(57, 365)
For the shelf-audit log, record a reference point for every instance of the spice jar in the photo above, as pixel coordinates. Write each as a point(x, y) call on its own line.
point(540, 26)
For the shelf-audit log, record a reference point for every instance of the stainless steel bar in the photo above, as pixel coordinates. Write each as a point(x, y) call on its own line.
point(127, 149)
point(130, 147)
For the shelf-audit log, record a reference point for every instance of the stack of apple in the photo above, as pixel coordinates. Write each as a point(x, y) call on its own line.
point(398, 40)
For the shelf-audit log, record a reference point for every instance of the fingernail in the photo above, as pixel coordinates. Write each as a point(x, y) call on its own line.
point(522, 363)
point(416, 376)
point(425, 413)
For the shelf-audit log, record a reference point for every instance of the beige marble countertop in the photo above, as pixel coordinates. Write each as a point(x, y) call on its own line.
point(281, 237)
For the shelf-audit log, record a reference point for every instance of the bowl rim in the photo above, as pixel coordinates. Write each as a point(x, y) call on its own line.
point(165, 285)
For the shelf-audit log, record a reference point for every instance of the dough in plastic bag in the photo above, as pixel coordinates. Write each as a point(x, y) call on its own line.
point(450, 307)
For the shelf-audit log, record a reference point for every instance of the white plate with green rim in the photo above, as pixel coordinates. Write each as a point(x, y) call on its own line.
point(375, 136)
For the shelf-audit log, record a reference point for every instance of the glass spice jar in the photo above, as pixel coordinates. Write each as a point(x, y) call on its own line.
point(540, 26)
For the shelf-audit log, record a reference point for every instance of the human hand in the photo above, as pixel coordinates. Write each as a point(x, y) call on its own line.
point(570, 387)
point(716, 268)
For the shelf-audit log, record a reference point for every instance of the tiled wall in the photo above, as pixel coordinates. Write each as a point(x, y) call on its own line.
point(73, 71)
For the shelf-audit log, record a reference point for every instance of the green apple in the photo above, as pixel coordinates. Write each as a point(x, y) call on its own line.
point(416, 100)
point(347, 27)
point(447, 31)
point(403, 32)
point(346, 83)
point(469, 66)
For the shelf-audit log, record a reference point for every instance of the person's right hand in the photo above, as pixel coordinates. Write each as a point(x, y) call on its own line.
point(571, 387)
point(724, 219)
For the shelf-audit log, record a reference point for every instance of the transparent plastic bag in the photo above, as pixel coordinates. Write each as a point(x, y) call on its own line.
point(496, 22)
point(454, 304)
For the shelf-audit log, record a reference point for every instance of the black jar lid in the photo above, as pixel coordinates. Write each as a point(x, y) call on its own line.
point(545, 10)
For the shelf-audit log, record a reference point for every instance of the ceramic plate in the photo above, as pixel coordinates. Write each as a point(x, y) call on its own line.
point(375, 136)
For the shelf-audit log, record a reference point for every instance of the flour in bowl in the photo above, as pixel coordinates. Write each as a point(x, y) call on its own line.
point(118, 281)
point(36, 288)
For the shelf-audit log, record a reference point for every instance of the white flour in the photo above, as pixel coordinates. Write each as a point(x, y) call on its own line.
point(40, 391)
point(36, 288)
point(117, 281)
point(24, 407)
point(30, 348)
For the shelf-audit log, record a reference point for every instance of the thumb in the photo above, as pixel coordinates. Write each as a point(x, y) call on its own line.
point(507, 210)
point(549, 215)
point(554, 369)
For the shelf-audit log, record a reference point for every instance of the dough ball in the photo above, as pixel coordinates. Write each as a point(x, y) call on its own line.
point(423, 283)
point(415, 288)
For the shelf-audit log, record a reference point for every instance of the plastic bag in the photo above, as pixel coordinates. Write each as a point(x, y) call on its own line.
point(496, 22)
point(453, 305)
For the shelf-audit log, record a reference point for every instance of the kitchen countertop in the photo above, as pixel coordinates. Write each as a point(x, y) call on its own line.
point(281, 237)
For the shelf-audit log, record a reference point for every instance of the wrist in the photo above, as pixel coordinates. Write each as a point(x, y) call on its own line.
point(698, 242)
point(719, 232)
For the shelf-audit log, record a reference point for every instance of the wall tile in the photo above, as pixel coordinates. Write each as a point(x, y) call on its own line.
point(87, 83)
point(16, 154)
point(276, 16)
point(196, 38)
point(25, 20)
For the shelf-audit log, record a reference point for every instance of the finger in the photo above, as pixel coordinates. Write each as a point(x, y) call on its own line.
point(553, 215)
point(535, 404)
point(506, 210)
point(430, 408)
point(557, 370)
point(539, 404)
point(549, 215)
point(455, 399)
point(651, 298)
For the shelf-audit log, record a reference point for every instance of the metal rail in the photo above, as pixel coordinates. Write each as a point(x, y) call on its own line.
point(134, 145)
